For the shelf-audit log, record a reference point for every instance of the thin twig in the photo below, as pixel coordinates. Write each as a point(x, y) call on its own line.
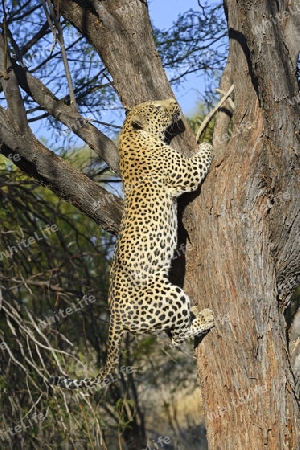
point(230, 102)
point(5, 72)
point(212, 112)
point(55, 26)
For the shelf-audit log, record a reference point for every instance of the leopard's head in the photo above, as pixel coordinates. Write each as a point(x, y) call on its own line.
point(155, 117)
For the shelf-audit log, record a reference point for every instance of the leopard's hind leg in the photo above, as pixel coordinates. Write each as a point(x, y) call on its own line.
point(199, 325)
point(161, 306)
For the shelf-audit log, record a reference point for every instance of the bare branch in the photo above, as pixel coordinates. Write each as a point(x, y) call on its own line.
point(58, 175)
point(55, 25)
point(100, 143)
point(12, 92)
point(36, 38)
point(212, 112)
point(5, 58)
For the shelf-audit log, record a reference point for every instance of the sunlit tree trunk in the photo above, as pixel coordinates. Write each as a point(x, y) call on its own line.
point(245, 260)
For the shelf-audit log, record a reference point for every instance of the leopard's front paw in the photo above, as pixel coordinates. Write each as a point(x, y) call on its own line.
point(206, 319)
point(207, 150)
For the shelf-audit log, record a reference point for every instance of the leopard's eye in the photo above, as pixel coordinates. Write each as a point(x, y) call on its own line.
point(158, 107)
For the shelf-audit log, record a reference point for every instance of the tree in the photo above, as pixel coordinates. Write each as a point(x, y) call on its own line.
point(243, 260)
point(248, 241)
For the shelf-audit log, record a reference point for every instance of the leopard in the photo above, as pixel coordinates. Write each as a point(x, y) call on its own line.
point(141, 298)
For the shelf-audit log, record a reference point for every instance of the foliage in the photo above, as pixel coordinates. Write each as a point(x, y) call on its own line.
point(42, 279)
point(195, 121)
point(196, 43)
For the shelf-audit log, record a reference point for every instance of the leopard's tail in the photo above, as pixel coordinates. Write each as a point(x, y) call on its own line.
point(112, 363)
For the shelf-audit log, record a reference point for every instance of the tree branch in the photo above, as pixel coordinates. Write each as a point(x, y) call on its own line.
point(212, 112)
point(12, 92)
point(36, 38)
point(104, 29)
point(64, 180)
point(100, 143)
point(54, 23)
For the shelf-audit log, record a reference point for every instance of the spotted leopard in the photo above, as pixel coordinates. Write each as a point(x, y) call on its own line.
point(141, 298)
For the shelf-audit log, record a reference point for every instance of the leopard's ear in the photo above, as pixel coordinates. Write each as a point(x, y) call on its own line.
point(137, 121)
point(127, 110)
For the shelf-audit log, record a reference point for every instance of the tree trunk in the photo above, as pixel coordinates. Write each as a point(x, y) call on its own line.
point(245, 256)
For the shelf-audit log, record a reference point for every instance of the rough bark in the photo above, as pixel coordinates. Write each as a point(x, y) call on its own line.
point(46, 167)
point(246, 254)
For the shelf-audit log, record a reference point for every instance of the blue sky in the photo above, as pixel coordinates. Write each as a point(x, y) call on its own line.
point(163, 13)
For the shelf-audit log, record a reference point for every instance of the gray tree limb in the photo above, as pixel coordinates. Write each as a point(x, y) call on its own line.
point(95, 139)
point(58, 175)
